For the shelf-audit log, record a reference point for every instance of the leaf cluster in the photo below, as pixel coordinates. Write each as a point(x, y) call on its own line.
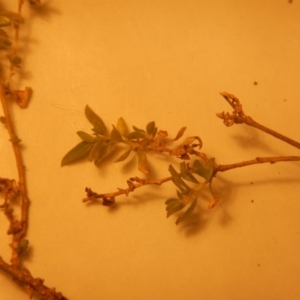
point(187, 195)
point(103, 143)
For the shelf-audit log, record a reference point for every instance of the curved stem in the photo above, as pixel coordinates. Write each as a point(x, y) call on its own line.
point(276, 134)
point(239, 117)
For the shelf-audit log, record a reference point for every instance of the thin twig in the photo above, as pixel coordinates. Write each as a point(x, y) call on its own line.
point(239, 117)
point(257, 160)
point(133, 183)
point(108, 199)
point(10, 189)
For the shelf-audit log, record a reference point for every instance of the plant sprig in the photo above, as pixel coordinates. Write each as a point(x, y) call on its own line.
point(145, 141)
point(11, 189)
point(121, 142)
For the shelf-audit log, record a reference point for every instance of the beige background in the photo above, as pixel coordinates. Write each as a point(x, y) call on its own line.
point(165, 61)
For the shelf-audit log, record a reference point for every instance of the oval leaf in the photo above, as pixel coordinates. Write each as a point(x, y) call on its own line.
point(123, 156)
point(86, 137)
point(116, 135)
point(138, 129)
point(177, 180)
point(205, 171)
point(104, 152)
point(150, 128)
point(79, 151)
point(186, 174)
point(179, 134)
point(174, 208)
point(97, 147)
point(122, 127)
point(187, 213)
point(96, 121)
point(170, 201)
point(136, 135)
point(142, 162)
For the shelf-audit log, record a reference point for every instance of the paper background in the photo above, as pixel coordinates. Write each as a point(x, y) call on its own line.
point(165, 61)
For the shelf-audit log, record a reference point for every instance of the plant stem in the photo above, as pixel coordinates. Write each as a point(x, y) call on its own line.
point(257, 160)
point(21, 176)
point(108, 199)
point(278, 135)
point(30, 283)
point(238, 117)
point(133, 183)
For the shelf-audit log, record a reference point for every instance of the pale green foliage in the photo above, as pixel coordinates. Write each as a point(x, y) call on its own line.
point(188, 195)
point(103, 143)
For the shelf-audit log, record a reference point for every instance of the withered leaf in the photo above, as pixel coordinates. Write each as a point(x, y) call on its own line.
point(179, 134)
point(142, 162)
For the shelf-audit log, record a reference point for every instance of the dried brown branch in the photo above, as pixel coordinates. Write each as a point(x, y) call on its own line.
point(239, 117)
point(11, 189)
point(23, 277)
point(108, 199)
point(133, 183)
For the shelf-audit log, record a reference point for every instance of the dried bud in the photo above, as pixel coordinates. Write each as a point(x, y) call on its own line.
point(22, 97)
point(108, 201)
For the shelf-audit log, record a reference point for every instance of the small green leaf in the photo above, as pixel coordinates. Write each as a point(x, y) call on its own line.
point(179, 134)
point(187, 213)
point(122, 127)
point(97, 147)
point(177, 180)
point(116, 135)
point(171, 201)
point(173, 205)
point(138, 129)
point(104, 152)
point(186, 174)
point(180, 195)
point(96, 121)
point(142, 162)
point(206, 171)
point(86, 137)
point(123, 156)
point(150, 128)
point(136, 135)
point(79, 151)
